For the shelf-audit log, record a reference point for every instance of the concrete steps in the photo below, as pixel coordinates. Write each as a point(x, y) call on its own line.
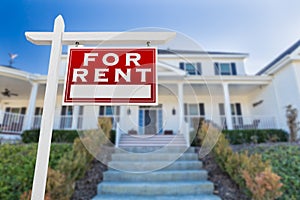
point(157, 176)
point(142, 168)
point(154, 157)
point(154, 149)
point(156, 188)
point(157, 197)
point(152, 140)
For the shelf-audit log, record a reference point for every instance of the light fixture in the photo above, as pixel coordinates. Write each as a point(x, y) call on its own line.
point(257, 103)
point(128, 111)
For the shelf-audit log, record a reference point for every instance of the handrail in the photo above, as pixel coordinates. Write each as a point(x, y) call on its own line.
point(118, 135)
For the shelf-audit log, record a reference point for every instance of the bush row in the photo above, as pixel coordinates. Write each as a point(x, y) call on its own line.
point(250, 172)
point(58, 136)
point(255, 136)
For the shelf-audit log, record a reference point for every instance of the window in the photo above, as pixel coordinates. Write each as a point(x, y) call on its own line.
point(194, 109)
point(112, 112)
point(235, 109)
point(38, 111)
point(191, 68)
point(236, 113)
point(66, 117)
point(225, 69)
point(109, 110)
point(194, 114)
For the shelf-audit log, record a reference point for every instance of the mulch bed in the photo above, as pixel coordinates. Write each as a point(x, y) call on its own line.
point(86, 188)
point(225, 188)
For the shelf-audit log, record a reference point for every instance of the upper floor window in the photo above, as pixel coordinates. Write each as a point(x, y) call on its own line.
point(225, 69)
point(191, 68)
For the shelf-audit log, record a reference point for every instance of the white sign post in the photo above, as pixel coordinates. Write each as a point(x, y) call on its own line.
point(56, 39)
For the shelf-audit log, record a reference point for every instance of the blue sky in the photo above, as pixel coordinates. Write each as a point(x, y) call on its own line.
point(262, 29)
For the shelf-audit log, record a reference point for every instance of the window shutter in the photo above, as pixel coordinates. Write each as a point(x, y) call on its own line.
point(217, 70)
point(101, 111)
point(233, 68)
point(80, 110)
point(199, 69)
point(201, 109)
point(238, 109)
point(63, 110)
point(181, 65)
point(185, 109)
point(221, 109)
point(23, 110)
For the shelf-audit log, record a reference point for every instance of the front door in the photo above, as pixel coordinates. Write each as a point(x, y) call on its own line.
point(150, 122)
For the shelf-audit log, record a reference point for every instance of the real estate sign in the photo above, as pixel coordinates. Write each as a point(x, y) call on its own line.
point(111, 75)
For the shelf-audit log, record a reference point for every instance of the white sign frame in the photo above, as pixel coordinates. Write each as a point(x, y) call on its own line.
point(57, 39)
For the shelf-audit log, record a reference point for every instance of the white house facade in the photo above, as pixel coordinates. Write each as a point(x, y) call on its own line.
point(192, 85)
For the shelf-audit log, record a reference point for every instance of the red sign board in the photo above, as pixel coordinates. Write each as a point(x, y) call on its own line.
point(111, 76)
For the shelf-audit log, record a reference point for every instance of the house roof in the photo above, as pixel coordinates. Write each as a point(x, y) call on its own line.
point(175, 51)
point(280, 57)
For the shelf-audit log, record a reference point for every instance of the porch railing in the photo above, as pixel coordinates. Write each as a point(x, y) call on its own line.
point(11, 122)
point(240, 122)
point(36, 122)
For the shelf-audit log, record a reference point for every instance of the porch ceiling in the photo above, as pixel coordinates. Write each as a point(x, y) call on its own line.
point(217, 89)
point(18, 86)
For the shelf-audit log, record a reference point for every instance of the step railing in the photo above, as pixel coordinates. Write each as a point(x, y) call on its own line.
point(118, 135)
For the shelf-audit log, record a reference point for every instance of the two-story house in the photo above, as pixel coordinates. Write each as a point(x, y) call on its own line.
point(192, 85)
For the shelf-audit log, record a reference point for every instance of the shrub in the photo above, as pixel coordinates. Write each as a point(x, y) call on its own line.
point(241, 166)
point(58, 136)
point(70, 168)
point(17, 164)
point(255, 136)
point(239, 162)
point(264, 185)
point(285, 161)
point(105, 124)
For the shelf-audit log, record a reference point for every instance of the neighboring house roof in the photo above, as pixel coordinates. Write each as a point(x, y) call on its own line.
point(8, 66)
point(280, 57)
point(174, 51)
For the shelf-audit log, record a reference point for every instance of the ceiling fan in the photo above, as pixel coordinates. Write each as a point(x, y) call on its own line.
point(8, 93)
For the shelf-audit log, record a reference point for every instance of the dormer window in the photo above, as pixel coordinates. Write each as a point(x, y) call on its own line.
point(225, 69)
point(191, 68)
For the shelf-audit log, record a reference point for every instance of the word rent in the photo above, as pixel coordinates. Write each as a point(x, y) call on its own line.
point(111, 59)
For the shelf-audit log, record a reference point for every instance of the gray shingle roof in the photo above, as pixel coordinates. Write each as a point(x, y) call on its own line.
point(171, 51)
point(281, 56)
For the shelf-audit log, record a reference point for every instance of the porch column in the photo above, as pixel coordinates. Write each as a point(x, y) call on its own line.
point(75, 117)
point(227, 106)
point(31, 105)
point(180, 107)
